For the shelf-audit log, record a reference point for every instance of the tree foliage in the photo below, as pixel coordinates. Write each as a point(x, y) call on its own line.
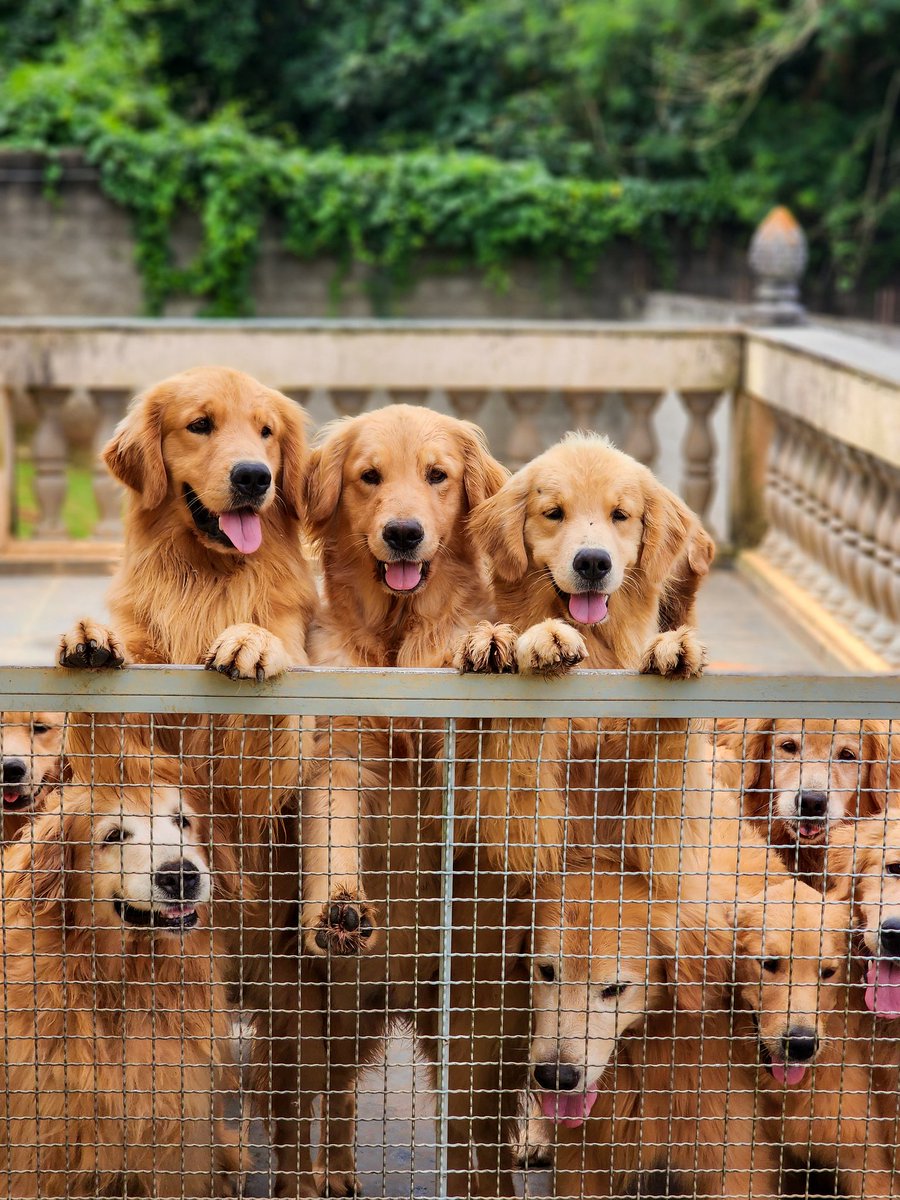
point(375, 130)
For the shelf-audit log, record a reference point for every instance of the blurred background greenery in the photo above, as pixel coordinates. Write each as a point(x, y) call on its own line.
point(376, 130)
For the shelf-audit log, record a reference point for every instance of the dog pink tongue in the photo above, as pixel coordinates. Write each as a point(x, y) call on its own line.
point(883, 991)
point(243, 529)
point(569, 1108)
point(402, 576)
point(788, 1073)
point(588, 608)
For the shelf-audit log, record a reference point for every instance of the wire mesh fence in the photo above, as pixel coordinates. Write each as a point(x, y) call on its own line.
point(421, 935)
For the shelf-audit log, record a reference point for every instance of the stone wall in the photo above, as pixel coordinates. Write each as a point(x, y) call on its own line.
point(71, 253)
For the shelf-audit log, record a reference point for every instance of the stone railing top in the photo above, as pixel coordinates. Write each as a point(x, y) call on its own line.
point(295, 354)
point(844, 386)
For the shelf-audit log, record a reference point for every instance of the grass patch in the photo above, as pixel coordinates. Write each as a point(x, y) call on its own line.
point(79, 513)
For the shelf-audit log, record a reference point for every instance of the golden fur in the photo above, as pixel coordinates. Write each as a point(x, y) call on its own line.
point(374, 795)
point(620, 977)
point(95, 1008)
point(795, 971)
point(582, 493)
point(771, 761)
point(182, 596)
point(30, 748)
point(397, 463)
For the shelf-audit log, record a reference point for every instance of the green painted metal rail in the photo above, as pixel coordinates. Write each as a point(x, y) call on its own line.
point(443, 694)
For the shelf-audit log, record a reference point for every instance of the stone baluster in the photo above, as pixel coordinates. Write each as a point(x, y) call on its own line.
point(887, 566)
point(111, 404)
point(864, 565)
point(803, 520)
point(892, 556)
point(640, 435)
point(50, 454)
point(583, 408)
point(793, 510)
point(349, 402)
point(850, 501)
point(525, 441)
point(775, 544)
point(417, 396)
point(466, 403)
point(835, 483)
point(815, 513)
point(699, 449)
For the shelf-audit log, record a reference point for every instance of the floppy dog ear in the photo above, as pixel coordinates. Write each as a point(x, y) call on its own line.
point(881, 766)
point(229, 882)
point(134, 455)
point(37, 861)
point(498, 526)
point(324, 478)
point(294, 455)
point(483, 476)
point(668, 526)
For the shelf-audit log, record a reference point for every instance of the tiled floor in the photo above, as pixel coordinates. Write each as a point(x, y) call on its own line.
point(743, 633)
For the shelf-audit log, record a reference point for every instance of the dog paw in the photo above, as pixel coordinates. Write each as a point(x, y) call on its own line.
point(487, 649)
point(344, 925)
point(89, 644)
point(335, 1182)
point(677, 654)
point(550, 648)
point(247, 652)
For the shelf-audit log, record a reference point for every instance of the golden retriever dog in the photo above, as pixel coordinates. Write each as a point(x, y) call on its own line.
point(30, 750)
point(584, 543)
point(630, 1048)
point(865, 858)
point(115, 1020)
point(802, 779)
point(817, 1041)
point(214, 573)
point(388, 495)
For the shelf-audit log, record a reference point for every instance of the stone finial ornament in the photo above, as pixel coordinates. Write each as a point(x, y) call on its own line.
point(778, 256)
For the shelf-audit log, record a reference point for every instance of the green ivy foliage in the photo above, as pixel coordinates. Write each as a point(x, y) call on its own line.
point(477, 130)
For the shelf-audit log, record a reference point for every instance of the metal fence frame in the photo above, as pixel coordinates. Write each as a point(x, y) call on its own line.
point(443, 694)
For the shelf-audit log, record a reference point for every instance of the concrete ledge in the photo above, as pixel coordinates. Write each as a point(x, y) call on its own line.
point(800, 609)
point(81, 557)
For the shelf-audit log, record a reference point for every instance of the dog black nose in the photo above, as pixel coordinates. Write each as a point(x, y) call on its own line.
point(251, 480)
point(557, 1076)
point(178, 880)
point(403, 536)
point(812, 804)
point(14, 770)
point(592, 565)
point(889, 937)
point(800, 1044)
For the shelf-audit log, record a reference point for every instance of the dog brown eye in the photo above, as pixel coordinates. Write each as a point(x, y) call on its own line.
point(771, 965)
point(114, 836)
point(554, 514)
point(893, 868)
point(265, 432)
point(618, 515)
point(38, 728)
point(182, 821)
point(847, 755)
point(370, 476)
point(614, 989)
point(828, 972)
point(789, 747)
point(436, 475)
point(548, 974)
point(201, 425)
